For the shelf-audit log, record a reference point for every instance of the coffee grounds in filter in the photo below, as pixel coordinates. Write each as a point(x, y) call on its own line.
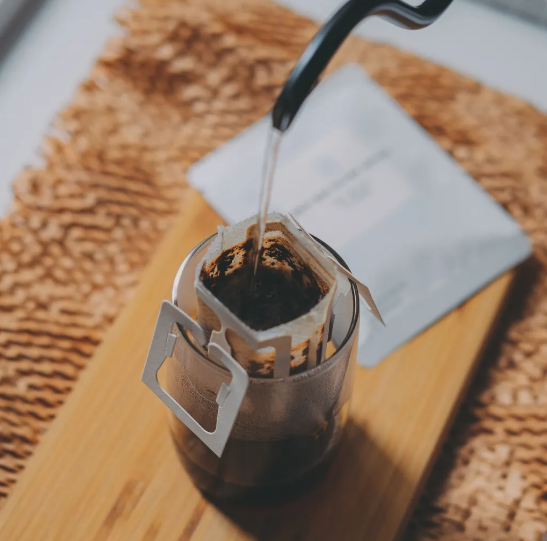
point(291, 296)
point(283, 288)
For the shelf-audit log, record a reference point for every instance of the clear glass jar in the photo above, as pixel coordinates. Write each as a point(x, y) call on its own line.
point(286, 429)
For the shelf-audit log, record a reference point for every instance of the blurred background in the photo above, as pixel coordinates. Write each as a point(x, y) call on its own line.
point(44, 55)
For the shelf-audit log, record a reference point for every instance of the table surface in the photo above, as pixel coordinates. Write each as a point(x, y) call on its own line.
point(57, 48)
point(111, 473)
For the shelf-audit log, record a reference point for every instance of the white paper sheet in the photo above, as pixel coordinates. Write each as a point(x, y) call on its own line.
point(360, 174)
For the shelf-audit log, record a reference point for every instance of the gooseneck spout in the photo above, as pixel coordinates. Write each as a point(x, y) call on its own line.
point(329, 38)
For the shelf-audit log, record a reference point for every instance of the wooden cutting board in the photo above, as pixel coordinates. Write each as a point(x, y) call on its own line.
point(107, 470)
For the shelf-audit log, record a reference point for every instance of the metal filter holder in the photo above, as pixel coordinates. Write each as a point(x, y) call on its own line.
point(334, 310)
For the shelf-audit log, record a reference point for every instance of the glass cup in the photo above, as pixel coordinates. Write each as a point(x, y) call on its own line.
point(286, 429)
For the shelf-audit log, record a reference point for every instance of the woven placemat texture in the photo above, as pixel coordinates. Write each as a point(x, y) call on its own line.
point(182, 78)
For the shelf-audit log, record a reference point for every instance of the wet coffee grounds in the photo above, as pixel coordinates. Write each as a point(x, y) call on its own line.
point(283, 288)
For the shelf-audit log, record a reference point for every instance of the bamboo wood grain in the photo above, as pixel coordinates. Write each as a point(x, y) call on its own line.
point(106, 470)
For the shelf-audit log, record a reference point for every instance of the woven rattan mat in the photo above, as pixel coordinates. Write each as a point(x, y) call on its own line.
point(182, 78)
